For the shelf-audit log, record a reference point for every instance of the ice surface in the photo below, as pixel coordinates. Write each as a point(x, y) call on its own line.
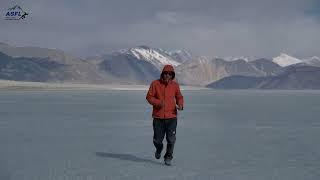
point(243, 135)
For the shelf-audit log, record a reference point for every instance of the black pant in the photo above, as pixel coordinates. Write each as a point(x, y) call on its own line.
point(163, 127)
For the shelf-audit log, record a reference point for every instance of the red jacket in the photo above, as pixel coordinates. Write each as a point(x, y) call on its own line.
point(170, 94)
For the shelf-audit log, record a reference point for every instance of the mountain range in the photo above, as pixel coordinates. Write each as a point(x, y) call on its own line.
point(293, 77)
point(142, 64)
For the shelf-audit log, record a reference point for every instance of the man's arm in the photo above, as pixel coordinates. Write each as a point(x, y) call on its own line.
point(151, 96)
point(179, 98)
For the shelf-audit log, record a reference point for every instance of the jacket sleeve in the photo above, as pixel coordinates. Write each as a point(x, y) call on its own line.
point(151, 96)
point(179, 97)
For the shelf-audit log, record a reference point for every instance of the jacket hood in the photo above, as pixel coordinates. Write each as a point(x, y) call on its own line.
point(168, 68)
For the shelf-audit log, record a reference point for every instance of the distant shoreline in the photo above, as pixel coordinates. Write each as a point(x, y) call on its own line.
point(6, 85)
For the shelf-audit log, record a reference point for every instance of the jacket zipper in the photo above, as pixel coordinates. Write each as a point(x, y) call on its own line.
point(164, 99)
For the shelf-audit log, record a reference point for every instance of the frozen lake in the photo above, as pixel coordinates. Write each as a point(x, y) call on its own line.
point(221, 135)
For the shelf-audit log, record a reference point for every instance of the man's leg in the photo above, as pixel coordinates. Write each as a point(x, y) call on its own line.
point(171, 126)
point(158, 135)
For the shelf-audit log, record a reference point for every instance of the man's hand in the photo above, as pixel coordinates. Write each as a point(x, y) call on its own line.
point(180, 108)
point(161, 105)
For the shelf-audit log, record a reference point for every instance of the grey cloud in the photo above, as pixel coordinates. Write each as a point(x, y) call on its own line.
point(262, 28)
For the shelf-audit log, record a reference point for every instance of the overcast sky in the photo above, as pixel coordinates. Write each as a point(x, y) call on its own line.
point(259, 28)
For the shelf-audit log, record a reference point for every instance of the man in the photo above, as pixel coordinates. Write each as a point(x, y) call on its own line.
point(165, 97)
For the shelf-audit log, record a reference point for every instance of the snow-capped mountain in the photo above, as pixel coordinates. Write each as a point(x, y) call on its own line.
point(204, 70)
point(312, 61)
point(292, 77)
point(266, 66)
point(313, 58)
point(138, 65)
point(157, 57)
point(286, 60)
point(231, 58)
point(180, 56)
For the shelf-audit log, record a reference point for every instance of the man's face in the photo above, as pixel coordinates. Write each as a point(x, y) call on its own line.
point(167, 76)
